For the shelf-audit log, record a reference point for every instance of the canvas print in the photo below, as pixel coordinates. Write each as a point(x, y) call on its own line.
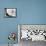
point(10, 12)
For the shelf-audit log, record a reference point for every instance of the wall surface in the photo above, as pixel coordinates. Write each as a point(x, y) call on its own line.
point(28, 12)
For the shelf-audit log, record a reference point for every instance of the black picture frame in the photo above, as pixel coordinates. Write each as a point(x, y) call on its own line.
point(10, 16)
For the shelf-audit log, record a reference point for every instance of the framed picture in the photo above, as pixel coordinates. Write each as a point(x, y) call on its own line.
point(33, 32)
point(10, 12)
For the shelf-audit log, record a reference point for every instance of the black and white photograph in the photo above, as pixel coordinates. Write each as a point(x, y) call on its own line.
point(30, 34)
point(10, 12)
